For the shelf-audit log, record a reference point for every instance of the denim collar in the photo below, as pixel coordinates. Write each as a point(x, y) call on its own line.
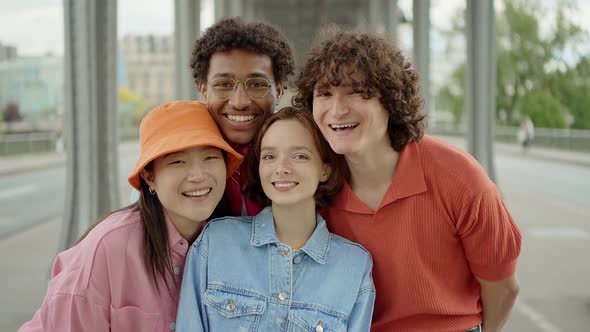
point(263, 232)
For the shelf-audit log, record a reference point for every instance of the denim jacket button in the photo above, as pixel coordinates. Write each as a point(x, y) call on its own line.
point(297, 259)
point(319, 327)
point(231, 306)
point(282, 296)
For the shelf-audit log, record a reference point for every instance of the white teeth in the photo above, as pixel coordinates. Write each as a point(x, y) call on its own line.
point(240, 118)
point(285, 185)
point(342, 126)
point(197, 193)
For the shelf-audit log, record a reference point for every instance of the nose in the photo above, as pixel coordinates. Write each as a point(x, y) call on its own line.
point(240, 99)
point(196, 173)
point(283, 167)
point(339, 106)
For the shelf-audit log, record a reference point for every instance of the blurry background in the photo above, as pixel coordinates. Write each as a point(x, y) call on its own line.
point(542, 71)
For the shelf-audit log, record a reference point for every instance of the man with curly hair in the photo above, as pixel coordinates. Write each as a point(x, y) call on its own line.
point(444, 245)
point(241, 69)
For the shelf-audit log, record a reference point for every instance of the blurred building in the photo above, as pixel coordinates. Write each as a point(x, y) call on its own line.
point(148, 65)
point(35, 84)
point(7, 52)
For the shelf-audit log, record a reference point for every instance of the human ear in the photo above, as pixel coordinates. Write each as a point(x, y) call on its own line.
point(203, 91)
point(148, 177)
point(280, 90)
point(327, 170)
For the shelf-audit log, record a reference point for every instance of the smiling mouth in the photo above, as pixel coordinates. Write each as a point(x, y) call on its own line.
point(285, 185)
point(240, 118)
point(197, 193)
point(343, 126)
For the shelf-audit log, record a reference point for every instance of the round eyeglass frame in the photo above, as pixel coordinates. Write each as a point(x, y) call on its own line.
point(237, 82)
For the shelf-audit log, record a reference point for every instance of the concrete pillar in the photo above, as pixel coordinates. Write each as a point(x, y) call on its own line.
point(235, 7)
point(248, 11)
point(376, 24)
point(392, 15)
point(480, 89)
point(421, 25)
point(219, 9)
point(225, 8)
point(91, 114)
point(187, 27)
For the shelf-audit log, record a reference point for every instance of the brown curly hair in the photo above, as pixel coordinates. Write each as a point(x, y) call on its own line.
point(386, 72)
point(258, 37)
point(326, 190)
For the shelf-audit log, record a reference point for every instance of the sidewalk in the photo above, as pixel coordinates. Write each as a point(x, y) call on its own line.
point(26, 259)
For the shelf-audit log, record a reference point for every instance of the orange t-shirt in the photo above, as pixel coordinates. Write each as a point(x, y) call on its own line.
point(441, 222)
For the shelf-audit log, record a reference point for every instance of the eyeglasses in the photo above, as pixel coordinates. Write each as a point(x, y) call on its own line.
point(255, 87)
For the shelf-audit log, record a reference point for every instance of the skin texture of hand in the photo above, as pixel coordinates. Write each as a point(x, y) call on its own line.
point(497, 299)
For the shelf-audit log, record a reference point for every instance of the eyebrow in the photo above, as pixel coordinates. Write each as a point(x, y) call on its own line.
point(293, 148)
point(351, 84)
point(231, 75)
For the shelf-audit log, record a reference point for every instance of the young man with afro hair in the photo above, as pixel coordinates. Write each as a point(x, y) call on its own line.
point(241, 69)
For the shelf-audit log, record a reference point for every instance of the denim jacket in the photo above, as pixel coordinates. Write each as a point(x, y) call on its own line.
point(253, 282)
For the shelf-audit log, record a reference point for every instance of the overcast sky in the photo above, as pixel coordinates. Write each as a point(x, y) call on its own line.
point(36, 26)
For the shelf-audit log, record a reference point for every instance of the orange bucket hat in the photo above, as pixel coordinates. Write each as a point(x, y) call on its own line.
point(177, 126)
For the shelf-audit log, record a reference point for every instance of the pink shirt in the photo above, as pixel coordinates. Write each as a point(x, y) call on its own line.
point(103, 283)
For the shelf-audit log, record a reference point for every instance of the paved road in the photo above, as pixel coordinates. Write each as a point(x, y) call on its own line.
point(549, 200)
point(29, 198)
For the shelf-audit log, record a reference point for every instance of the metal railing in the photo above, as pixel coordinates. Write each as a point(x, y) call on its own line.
point(569, 139)
point(39, 142)
point(13, 144)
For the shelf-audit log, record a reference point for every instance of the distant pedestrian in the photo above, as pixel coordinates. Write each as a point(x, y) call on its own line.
point(526, 133)
point(59, 141)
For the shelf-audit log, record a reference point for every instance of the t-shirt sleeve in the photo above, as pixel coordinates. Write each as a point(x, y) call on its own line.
point(491, 239)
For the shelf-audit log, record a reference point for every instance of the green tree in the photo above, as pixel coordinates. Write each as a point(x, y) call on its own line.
point(529, 62)
point(451, 96)
point(544, 110)
point(572, 88)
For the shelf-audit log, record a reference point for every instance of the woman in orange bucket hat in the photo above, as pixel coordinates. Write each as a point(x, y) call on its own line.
point(125, 273)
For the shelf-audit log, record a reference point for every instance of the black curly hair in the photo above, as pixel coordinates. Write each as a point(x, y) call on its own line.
point(258, 37)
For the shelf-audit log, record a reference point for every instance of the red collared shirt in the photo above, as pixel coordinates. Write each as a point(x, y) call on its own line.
point(441, 222)
point(234, 189)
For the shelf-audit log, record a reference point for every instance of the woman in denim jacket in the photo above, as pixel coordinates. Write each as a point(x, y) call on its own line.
point(281, 270)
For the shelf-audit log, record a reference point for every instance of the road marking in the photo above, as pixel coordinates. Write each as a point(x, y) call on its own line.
point(535, 317)
point(558, 232)
point(18, 191)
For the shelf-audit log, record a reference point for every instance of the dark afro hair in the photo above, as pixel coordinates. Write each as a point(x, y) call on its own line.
point(233, 33)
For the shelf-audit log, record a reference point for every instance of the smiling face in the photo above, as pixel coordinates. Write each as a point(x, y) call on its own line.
point(240, 116)
point(189, 184)
point(290, 165)
point(350, 122)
